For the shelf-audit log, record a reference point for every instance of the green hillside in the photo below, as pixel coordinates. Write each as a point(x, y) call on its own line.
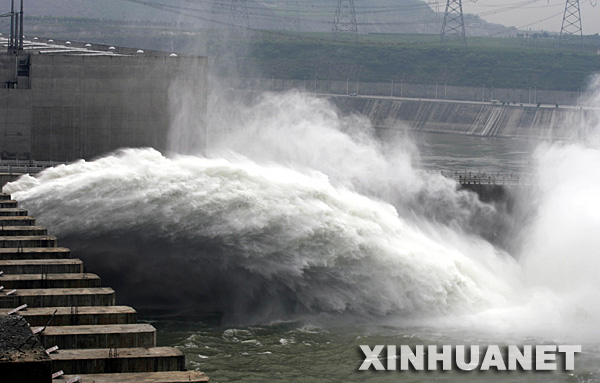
point(537, 61)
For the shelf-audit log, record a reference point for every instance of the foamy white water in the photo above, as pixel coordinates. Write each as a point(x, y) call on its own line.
point(296, 211)
point(271, 232)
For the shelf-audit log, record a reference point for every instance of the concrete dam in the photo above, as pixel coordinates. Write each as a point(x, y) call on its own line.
point(469, 118)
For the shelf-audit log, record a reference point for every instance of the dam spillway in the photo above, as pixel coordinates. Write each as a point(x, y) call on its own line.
point(82, 335)
point(468, 118)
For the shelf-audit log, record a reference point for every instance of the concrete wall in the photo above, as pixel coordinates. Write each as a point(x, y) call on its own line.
point(7, 68)
point(467, 118)
point(85, 106)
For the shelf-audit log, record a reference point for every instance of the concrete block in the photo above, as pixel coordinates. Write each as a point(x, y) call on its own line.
point(41, 266)
point(103, 296)
point(50, 281)
point(104, 361)
point(73, 316)
point(100, 336)
point(28, 241)
point(18, 231)
point(34, 253)
point(145, 377)
point(12, 212)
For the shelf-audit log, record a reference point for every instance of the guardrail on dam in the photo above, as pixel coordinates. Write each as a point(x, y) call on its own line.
point(486, 178)
point(460, 117)
point(405, 89)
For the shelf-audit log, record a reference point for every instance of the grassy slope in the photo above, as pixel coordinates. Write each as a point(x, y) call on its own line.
point(422, 59)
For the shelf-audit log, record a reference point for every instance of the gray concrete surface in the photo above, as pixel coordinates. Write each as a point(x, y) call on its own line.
point(82, 105)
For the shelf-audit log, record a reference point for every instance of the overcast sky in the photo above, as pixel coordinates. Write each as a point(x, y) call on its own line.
point(527, 12)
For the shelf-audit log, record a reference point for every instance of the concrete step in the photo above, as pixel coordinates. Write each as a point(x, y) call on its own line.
point(49, 281)
point(17, 221)
point(14, 231)
point(142, 377)
point(103, 296)
point(104, 361)
point(8, 203)
point(14, 253)
point(102, 336)
point(41, 266)
point(13, 212)
point(4, 196)
point(72, 316)
point(28, 241)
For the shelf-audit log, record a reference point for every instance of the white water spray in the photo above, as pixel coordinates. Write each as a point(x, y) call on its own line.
point(298, 211)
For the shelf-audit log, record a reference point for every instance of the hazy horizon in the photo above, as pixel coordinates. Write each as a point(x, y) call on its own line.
point(532, 15)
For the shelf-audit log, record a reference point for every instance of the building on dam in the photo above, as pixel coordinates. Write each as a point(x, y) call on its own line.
point(63, 101)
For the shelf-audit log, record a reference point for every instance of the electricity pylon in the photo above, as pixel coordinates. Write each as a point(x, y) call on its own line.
point(239, 14)
point(571, 24)
point(292, 12)
point(454, 22)
point(345, 17)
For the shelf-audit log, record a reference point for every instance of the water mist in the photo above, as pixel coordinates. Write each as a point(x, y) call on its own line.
point(294, 211)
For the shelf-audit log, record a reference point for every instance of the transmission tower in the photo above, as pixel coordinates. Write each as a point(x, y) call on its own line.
point(292, 12)
point(454, 22)
point(571, 24)
point(239, 14)
point(345, 17)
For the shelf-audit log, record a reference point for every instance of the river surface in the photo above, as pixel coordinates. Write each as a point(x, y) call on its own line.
point(326, 349)
point(311, 234)
point(295, 352)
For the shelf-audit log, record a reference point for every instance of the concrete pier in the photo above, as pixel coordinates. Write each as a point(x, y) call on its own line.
point(27, 241)
point(13, 212)
point(15, 231)
point(17, 254)
point(100, 336)
point(16, 221)
point(8, 204)
point(41, 266)
point(50, 281)
point(103, 296)
point(74, 316)
point(103, 361)
point(71, 316)
point(145, 377)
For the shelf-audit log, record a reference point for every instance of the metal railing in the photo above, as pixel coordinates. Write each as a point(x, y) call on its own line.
point(486, 178)
point(26, 166)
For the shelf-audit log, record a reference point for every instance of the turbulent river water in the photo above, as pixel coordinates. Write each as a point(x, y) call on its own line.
point(300, 235)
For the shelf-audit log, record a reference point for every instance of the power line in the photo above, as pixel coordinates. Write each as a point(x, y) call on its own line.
point(258, 13)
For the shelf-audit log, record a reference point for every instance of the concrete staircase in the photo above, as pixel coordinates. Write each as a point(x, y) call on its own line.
point(97, 341)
